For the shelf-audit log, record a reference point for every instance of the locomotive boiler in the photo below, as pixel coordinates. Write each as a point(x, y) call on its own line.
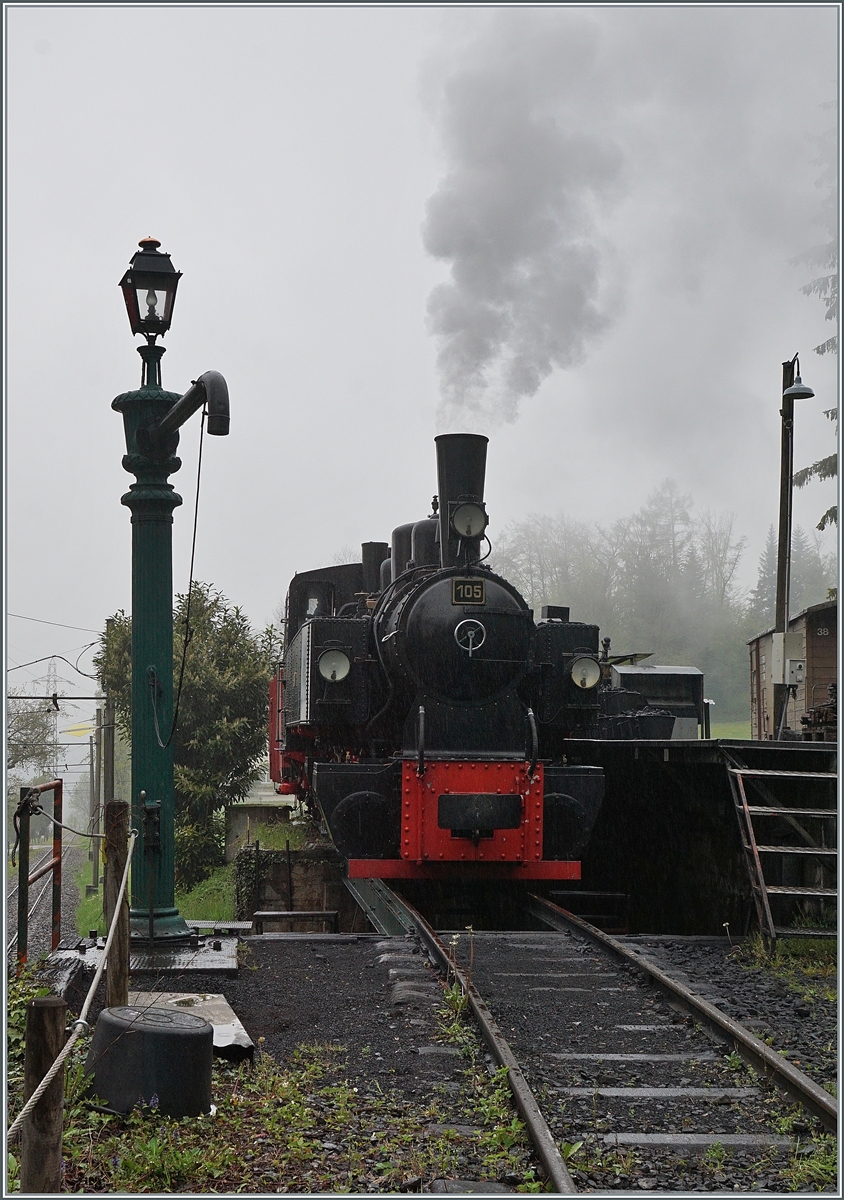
point(425, 712)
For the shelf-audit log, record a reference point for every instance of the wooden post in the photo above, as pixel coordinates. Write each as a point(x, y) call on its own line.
point(108, 750)
point(98, 790)
point(116, 826)
point(41, 1133)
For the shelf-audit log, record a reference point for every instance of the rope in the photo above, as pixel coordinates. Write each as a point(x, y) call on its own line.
point(80, 1026)
point(39, 811)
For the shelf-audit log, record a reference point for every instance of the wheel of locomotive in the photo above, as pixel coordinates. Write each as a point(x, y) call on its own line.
point(367, 825)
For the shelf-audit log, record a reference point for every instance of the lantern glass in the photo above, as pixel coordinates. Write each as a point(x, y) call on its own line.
point(154, 300)
point(149, 290)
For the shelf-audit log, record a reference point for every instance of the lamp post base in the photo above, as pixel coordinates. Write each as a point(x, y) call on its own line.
point(168, 925)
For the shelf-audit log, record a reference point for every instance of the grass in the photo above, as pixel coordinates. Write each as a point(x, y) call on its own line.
point(296, 1127)
point(89, 909)
point(816, 1170)
point(276, 836)
point(732, 731)
point(793, 959)
point(211, 900)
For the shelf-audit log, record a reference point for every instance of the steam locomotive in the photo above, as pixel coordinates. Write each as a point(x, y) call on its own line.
point(425, 712)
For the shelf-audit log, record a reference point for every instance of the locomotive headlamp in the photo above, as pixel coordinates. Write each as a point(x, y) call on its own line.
point(333, 665)
point(149, 290)
point(469, 520)
point(585, 673)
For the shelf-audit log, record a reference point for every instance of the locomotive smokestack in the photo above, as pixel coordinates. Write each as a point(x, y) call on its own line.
point(461, 467)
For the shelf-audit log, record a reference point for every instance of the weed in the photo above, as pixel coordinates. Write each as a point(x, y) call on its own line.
point(715, 1156)
point(276, 836)
point(817, 1170)
point(794, 962)
point(301, 1124)
point(20, 991)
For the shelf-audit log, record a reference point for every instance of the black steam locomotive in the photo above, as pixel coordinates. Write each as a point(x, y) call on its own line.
point(425, 712)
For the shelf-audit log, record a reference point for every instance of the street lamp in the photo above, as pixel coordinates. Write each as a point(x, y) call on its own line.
point(151, 420)
point(149, 290)
point(793, 388)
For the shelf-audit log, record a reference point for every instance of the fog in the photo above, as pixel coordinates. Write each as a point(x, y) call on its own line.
point(572, 229)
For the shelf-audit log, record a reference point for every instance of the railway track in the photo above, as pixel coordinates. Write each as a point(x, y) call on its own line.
point(624, 1077)
point(40, 921)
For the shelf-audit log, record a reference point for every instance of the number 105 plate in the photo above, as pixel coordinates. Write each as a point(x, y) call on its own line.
point(468, 591)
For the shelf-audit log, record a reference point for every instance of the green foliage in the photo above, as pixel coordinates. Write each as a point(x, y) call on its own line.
point(816, 1171)
point(269, 1129)
point(19, 991)
point(31, 737)
point(825, 287)
point(210, 900)
point(813, 573)
point(245, 878)
point(30, 732)
point(793, 958)
point(661, 580)
point(220, 737)
point(277, 835)
point(199, 848)
point(89, 909)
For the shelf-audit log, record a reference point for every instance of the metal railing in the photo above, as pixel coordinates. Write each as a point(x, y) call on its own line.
point(26, 808)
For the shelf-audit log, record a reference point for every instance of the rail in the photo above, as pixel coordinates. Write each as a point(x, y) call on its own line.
point(381, 902)
point(25, 810)
point(762, 1058)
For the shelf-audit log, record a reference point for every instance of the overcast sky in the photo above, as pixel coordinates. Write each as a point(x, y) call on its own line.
point(568, 228)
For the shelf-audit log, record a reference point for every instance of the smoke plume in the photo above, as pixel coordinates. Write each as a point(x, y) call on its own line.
point(516, 215)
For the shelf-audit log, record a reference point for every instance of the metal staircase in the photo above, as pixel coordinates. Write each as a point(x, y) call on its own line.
point(788, 825)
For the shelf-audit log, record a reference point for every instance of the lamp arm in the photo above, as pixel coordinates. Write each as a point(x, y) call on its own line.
point(211, 389)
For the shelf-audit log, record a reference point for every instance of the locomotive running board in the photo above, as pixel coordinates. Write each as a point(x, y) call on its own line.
point(400, 868)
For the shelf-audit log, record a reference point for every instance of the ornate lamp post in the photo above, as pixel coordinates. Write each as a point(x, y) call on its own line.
point(792, 389)
point(151, 419)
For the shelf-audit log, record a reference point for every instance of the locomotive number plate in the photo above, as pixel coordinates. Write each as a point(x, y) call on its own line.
point(468, 591)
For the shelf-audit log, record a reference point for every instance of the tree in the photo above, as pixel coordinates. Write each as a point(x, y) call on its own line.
point(221, 731)
point(812, 571)
point(763, 598)
point(30, 747)
point(658, 580)
point(30, 733)
point(825, 287)
point(812, 576)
